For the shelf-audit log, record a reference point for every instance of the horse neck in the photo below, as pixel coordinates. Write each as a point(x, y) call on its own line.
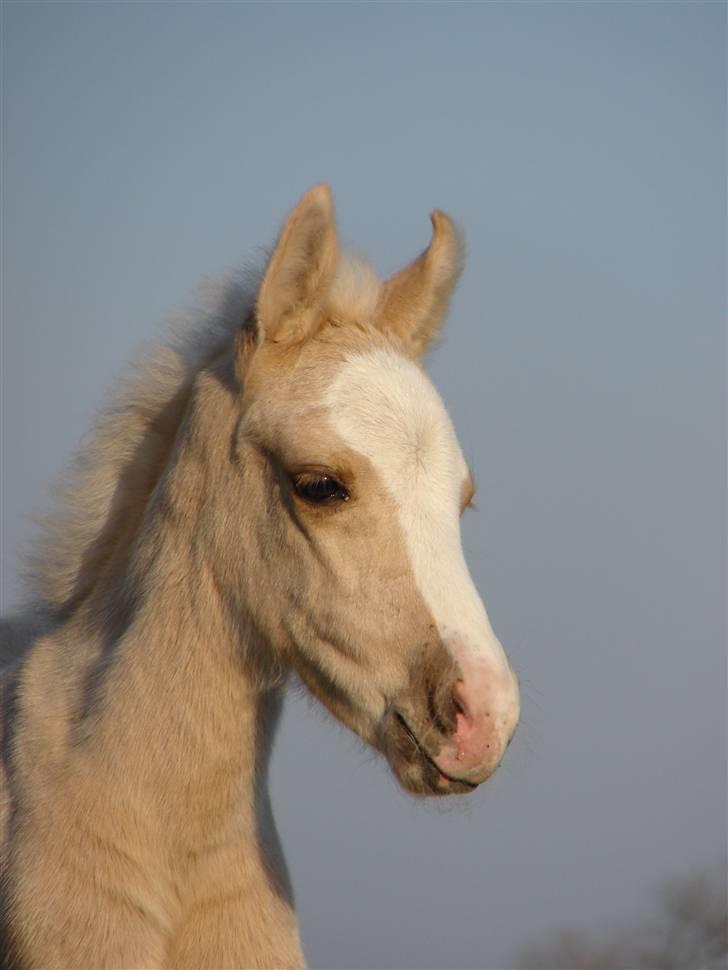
point(178, 674)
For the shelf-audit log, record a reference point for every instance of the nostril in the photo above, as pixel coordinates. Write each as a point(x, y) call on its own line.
point(433, 712)
point(460, 701)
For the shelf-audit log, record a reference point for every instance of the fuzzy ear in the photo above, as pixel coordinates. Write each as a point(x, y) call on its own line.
point(414, 301)
point(300, 270)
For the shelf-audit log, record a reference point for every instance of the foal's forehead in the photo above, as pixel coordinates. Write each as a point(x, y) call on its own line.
point(386, 408)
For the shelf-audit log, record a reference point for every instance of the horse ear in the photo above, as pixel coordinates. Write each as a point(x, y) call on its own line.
point(414, 301)
point(300, 270)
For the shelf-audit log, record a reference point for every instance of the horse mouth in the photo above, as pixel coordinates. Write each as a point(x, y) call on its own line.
point(416, 769)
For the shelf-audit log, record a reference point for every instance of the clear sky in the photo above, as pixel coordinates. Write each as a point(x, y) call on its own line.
point(582, 148)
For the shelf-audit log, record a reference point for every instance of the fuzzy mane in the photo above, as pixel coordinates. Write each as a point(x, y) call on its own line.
point(91, 499)
point(109, 480)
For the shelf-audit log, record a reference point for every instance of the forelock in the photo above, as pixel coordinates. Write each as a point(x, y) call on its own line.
point(355, 291)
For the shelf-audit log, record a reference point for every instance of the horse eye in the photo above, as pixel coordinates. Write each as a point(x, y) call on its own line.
point(320, 489)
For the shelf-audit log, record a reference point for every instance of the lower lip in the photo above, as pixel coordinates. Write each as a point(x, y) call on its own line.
point(444, 783)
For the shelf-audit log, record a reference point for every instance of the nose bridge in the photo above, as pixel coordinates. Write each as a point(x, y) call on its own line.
point(460, 613)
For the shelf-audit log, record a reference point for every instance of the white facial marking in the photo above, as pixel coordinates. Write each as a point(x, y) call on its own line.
point(383, 407)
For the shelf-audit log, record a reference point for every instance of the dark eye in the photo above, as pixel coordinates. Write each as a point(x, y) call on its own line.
point(320, 489)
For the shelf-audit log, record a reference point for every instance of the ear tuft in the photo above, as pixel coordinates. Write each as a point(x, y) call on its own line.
point(415, 300)
point(300, 270)
point(447, 249)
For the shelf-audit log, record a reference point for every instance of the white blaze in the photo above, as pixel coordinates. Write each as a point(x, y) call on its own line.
point(384, 407)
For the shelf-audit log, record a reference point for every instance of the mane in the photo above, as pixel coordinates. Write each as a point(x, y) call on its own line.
point(133, 433)
point(132, 429)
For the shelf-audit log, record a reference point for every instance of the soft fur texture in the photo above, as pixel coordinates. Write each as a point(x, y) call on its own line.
point(189, 569)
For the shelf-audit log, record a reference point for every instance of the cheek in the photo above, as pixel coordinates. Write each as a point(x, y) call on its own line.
point(365, 593)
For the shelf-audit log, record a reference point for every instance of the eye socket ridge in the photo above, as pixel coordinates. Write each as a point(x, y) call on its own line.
point(467, 494)
point(319, 487)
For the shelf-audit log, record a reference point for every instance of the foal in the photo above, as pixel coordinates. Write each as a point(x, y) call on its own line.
point(283, 495)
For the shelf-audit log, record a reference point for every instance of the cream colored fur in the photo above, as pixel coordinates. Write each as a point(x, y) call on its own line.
point(184, 576)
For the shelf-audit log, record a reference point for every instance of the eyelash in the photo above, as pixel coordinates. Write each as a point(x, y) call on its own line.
point(318, 488)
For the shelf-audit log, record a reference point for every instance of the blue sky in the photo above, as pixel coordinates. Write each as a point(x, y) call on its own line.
point(581, 146)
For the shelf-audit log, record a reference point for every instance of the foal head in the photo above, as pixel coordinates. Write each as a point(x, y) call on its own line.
point(356, 483)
